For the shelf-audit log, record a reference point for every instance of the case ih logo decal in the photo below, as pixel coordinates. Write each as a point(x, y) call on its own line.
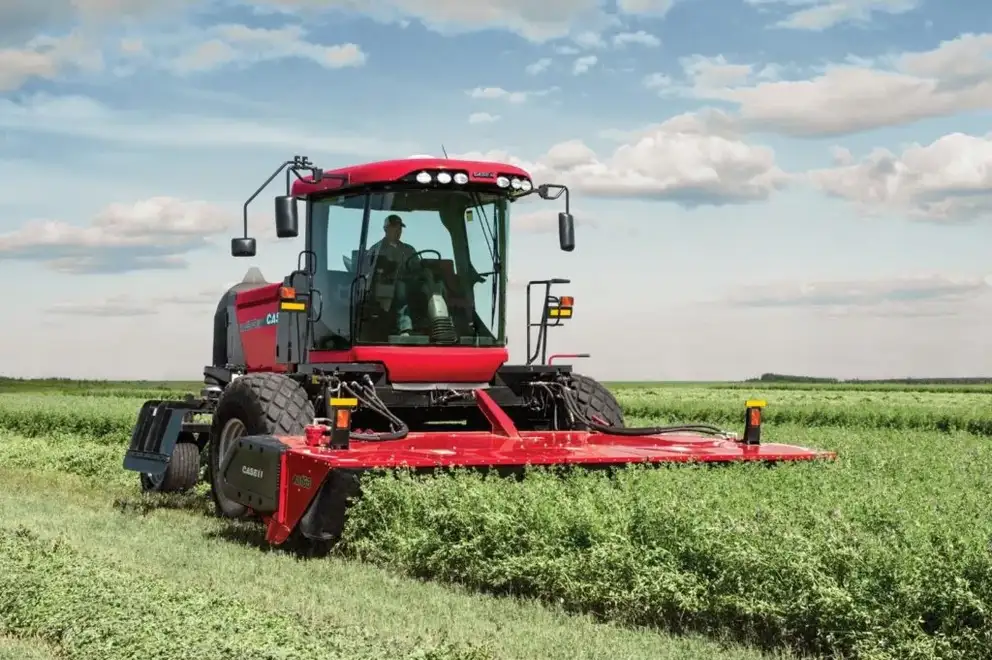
point(271, 318)
point(251, 472)
point(303, 481)
point(483, 175)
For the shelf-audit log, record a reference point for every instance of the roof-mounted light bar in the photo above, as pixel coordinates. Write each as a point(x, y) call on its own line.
point(446, 177)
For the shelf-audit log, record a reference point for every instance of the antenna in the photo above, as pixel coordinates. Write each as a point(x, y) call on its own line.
point(443, 151)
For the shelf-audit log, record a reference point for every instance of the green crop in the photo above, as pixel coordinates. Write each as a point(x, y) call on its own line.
point(883, 554)
point(90, 609)
point(938, 411)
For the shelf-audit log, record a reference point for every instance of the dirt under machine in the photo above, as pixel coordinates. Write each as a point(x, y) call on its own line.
point(387, 348)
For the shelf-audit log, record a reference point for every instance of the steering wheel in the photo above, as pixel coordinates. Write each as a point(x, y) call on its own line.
point(406, 263)
point(424, 273)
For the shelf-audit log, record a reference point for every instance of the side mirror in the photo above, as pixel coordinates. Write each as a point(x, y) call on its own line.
point(287, 217)
point(566, 231)
point(243, 247)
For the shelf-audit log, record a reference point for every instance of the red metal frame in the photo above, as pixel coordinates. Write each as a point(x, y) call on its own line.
point(503, 446)
point(393, 170)
point(421, 364)
point(403, 364)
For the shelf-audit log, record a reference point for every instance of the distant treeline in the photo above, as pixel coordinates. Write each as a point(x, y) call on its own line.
point(786, 378)
point(69, 385)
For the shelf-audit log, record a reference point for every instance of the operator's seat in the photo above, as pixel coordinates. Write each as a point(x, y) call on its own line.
point(444, 271)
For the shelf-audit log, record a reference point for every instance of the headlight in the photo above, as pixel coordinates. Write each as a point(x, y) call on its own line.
point(424, 177)
point(443, 177)
point(502, 182)
point(461, 178)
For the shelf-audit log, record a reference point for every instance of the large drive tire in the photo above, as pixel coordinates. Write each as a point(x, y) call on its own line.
point(180, 475)
point(255, 404)
point(595, 399)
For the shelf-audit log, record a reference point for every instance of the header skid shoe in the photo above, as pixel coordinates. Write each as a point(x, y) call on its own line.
point(162, 426)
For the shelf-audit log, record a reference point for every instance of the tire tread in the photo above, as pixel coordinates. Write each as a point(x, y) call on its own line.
point(595, 398)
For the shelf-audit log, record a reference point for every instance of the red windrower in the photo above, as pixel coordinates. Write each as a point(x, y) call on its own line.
point(312, 381)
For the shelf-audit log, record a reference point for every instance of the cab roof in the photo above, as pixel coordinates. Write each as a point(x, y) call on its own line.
point(394, 170)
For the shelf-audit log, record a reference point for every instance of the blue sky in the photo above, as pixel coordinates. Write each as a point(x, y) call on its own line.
point(798, 186)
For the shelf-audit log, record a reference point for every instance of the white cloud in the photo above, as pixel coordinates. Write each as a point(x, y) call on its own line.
point(690, 159)
point(658, 81)
point(482, 118)
point(823, 14)
point(949, 179)
point(500, 94)
point(79, 116)
point(242, 45)
point(640, 38)
point(714, 72)
point(655, 8)
point(46, 58)
point(918, 294)
point(841, 155)
point(124, 305)
point(539, 66)
point(27, 16)
point(133, 46)
point(81, 50)
point(113, 306)
point(846, 98)
point(589, 40)
point(150, 234)
point(545, 222)
point(493, 93)
point(535, 21)
point(583, 64)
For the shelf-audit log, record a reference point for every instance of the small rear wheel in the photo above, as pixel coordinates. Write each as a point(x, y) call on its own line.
point(182, 473)
point(255, 404)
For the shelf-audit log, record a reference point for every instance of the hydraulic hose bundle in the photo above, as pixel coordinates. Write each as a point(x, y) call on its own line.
point(365, 394)
point(568, 397)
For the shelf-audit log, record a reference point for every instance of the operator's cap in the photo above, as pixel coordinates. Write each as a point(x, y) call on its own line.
point(392, 220)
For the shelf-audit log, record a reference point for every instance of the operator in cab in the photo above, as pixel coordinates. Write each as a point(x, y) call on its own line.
point(390, 246)
point(404, 262)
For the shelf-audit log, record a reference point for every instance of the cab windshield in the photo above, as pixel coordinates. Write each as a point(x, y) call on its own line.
point(427, 272)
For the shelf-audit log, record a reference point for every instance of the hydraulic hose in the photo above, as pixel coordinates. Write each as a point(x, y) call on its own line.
point(365, 394)
point(567, 395)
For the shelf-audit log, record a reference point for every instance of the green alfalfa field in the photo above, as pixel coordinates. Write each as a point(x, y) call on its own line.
point(883, 554)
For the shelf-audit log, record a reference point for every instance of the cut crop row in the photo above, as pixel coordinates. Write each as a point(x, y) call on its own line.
point(88, 609)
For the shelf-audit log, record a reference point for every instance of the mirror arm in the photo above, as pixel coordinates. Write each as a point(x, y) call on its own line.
point(296, 165)
point(260, 189)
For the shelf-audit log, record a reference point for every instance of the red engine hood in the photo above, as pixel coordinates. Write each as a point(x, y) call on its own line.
point(423, 364)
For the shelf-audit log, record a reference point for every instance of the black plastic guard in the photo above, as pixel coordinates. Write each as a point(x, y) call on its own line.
point(156, 432)
point(325, 517)
point(251, 473)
